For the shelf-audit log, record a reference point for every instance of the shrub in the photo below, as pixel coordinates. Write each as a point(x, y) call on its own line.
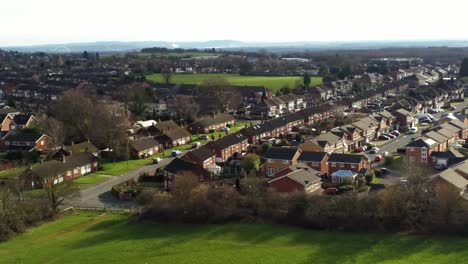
point(346, 188)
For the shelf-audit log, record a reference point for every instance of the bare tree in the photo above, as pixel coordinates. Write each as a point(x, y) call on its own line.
point(220, 89)
point(53, 128)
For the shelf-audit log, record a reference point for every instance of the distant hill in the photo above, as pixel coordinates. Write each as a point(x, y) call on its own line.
point(116, 46)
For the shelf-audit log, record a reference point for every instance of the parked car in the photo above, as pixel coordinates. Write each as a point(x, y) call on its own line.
point(176, 153)
point(385, 153)
point(439, 166)
point(331, 191)
point(383, 137)
point(413, 130)
point(378, 158)
point(374, 150)
point(196, 145)
point(390, 135)
point(358, 149)
point(156, 160)
point(224, 129)
point(395, 132)
point(384, 171)
point(203, 137)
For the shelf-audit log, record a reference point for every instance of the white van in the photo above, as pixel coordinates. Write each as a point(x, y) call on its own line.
point(413, 130)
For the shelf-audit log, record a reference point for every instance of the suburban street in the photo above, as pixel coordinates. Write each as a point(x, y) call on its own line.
point(99, 196)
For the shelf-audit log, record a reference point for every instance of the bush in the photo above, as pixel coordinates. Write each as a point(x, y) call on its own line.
point(346, 188)
point(370, 177)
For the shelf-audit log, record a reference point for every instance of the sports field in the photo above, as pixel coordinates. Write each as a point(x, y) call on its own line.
point(272, 82)
point(97, 237)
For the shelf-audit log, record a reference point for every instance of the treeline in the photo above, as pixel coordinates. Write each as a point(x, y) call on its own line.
point(176, 50)
point(409, 207)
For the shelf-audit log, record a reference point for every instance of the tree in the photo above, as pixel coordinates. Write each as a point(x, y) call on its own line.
point(57, 193)
point(221, 91)
point(137, 106)
point(167, 75)
point(85, 54)
point(306, 80)
point(464, 68)
point(250, 162)
point(53, 128)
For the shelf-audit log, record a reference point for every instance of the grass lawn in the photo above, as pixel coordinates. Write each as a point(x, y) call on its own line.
point(376, 180)
point(92, 178)
point(109, 168)
point(394, 162)
point(12, 172)
point(272, 82)
point(96, 237)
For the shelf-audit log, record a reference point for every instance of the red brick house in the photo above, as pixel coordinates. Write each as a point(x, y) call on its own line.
point(64, 169)
point(212, 123)
point(6, 121)
point(169, 134)
point(256, 132)
point(315, 160)
point(143, 147)
point(27, 142)
point(183, 168)
point(453, 178)
point(296, 179)
point(419, 151)
point(354, 163)
point(278, 159)
point(404, 119)
point(22, 121)
point(203, 156)
point(229, 145)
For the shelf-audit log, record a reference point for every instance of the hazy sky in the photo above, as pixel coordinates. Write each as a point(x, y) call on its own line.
point(25, 22)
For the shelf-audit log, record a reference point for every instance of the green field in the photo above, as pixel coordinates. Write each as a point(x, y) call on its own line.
point(272, 82)
point(12, 172)
point(92, 237)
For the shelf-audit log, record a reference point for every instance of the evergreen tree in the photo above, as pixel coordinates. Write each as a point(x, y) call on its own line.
point(464, 68)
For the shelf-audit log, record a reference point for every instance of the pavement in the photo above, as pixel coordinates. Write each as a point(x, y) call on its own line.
point(99, 196)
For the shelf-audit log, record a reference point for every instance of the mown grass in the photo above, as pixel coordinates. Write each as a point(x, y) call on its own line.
point(95, 237)
point(91, 179)
point(274, 83)
point(12, 172)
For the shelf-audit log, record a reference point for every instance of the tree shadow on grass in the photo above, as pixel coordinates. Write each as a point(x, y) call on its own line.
point(325, 247)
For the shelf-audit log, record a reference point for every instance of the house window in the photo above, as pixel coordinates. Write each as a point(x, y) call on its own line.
point(69, 173)
point(411, 149)
point(341, 164)
point(271, 171)
point(353, 166)
point(315, 164)
point(42, 142)
point(424, 159)
point(333, 164)
point(201, 178)
point(285, 161)
point(75, 171)
point(270, 161)
point(424, 154)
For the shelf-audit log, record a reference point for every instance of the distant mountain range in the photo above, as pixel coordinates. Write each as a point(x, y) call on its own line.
point(116, 46)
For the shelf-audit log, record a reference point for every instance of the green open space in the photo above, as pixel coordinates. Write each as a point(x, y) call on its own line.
point(274, 83)
point(100, 237)
point(92, 178)
point(12, 172)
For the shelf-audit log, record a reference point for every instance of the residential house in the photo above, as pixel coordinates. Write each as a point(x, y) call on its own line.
point(419, 151)
point(203, 156)
point(215, 122)
point(454, 178)
point(256, 132)
point(63, 169)
point(178, 168)
point(169, 134)
point(353, 136)
point(350, 162)
point(6, 119)
point(27, 142)
point(228, 146)
point(279, 158)
point(143, 147)
point(316, 160)
point(83, 147)
point(22, 121)
point(404, 119)
point(296, 178)
point(328, 142)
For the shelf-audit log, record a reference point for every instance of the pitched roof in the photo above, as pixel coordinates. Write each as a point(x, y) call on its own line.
point(229, 140)
point(8, 110)
point(281, 153)
point(25, 137)
point(82, 147)
point(144, 143)
point(422, 143)
point(452, 176)
point(22, 120)
point(346, 158)
point(312, 156)
point(202, 153)
point(301, 176)
point(178, 165)
point(209, 121)
point(52, 168)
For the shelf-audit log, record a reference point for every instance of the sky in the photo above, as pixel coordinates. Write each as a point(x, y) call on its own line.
point(28, 22)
